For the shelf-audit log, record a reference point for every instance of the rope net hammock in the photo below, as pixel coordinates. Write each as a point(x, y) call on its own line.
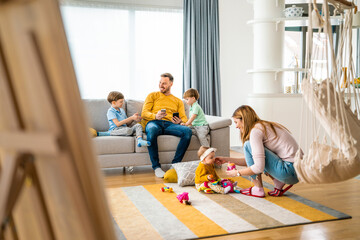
point(330, 92)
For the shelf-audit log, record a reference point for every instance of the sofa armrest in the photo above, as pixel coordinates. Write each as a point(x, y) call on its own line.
point(217, 122)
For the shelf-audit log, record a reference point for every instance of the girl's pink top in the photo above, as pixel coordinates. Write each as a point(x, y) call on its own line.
point(284, 145)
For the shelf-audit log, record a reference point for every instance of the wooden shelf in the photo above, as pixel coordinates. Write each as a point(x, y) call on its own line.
point(275, 95)
point(276, 70)
point(293, 22)
point(342, 3)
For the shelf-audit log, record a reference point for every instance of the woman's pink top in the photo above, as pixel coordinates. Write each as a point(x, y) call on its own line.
point(284, 145)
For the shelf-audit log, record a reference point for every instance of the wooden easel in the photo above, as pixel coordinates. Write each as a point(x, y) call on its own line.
point(50, 183)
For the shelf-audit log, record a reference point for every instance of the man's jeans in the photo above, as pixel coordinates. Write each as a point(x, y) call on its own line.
point(281, 170)
point(161, 127)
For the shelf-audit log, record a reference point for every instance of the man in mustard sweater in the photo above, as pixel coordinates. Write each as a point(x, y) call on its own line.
point(157, 119)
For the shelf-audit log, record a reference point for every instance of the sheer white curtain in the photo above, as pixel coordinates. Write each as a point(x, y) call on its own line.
point(126, 50)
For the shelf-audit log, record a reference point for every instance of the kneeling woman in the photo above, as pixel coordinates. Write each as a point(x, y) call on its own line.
point(269, 147)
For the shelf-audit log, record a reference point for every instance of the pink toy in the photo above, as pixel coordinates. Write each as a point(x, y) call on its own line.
point(230, 166)
point(227, 182)
point(184, 198)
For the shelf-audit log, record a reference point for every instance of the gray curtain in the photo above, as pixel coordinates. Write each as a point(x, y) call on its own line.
point(201, 52)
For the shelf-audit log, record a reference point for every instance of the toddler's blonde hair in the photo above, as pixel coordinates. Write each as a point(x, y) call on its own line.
point(201, 150)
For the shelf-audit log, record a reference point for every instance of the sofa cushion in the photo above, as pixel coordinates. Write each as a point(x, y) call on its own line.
point(114, 144)
point(216, 122)
point(187, 108)
point(167, 143)
point(186, 172)
point(132, 107)
point(170, 176)
point(96, 110)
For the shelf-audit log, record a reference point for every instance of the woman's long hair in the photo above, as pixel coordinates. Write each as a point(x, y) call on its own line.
point(250, 118)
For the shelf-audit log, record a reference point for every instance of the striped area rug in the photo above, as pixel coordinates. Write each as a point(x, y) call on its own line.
point(145, 212)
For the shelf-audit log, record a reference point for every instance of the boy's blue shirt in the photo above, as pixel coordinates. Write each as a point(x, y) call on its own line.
point(119, 115)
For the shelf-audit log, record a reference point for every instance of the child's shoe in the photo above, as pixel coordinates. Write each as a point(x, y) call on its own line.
point(142, 143)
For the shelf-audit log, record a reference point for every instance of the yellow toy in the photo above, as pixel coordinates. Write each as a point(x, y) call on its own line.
point(205, 190)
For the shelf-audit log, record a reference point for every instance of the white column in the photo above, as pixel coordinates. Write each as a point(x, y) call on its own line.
point(268, 46)
point(267, 98)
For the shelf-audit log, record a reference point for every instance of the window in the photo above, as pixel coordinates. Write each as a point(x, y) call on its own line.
point(294, 53)
point(293, 56)
point(126, 50)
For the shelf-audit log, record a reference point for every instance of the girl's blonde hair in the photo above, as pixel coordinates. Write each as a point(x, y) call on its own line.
point(250, 118)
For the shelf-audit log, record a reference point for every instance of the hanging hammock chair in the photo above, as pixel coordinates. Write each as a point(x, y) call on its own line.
point(334, 104)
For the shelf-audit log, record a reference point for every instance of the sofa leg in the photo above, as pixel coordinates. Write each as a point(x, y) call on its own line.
point(129, 169)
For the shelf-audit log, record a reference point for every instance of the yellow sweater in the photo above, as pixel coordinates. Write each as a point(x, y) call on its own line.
point(156, 101)
point(202, 171)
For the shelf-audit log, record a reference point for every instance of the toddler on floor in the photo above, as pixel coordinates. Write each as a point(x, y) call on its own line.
point(206, 178)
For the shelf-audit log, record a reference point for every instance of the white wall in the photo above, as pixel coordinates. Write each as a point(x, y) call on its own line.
point(236, 57)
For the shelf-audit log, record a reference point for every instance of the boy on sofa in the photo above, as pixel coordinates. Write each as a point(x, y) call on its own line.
point(117, 120)
point(197, 122)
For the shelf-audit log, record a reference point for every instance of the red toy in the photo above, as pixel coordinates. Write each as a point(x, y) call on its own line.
point(184, 198)
point(166, 189)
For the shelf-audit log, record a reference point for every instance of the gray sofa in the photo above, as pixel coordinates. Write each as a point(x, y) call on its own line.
point(119, 151)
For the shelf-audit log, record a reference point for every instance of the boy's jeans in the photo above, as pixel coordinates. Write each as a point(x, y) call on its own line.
point(161, 127)
point(279, 169)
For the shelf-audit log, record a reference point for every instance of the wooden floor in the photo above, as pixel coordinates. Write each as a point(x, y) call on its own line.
point(344, 197)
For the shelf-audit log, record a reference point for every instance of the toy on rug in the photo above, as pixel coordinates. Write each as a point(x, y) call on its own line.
point(230, 166)
point(166, 189)
point(184, 198)
point(205, 188)
point(228, 182)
